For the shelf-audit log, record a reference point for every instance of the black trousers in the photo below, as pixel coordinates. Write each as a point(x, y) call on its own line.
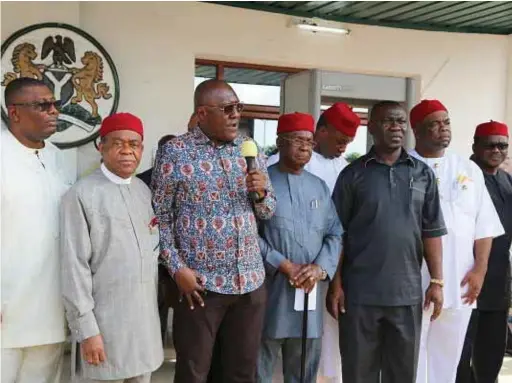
point(215, 373)
point(165, 294)
point(484, 347)
point(380, 341)
point(235, 321)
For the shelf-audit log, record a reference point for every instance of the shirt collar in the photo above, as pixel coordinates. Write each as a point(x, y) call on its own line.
point(114, 177)
point(404, 157)
point(202, 139)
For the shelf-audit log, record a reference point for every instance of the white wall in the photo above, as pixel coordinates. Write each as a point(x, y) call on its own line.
point(508, 97)
point(154, 46)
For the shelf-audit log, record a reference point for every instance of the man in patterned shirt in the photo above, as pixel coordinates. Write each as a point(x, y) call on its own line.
point(209, 238)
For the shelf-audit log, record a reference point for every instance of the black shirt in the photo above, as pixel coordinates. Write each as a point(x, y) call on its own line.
point(145, 176)
point(386, 211)
point(495, 294)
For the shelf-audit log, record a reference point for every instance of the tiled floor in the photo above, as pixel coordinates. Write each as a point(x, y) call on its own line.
point(166, 373)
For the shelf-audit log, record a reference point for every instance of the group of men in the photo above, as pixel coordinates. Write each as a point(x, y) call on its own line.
point(407, 252)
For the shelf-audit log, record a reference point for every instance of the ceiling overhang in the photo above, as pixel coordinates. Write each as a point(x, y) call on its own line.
point(484, 17)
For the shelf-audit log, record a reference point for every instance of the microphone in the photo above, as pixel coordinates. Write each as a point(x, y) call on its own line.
point(249, 150)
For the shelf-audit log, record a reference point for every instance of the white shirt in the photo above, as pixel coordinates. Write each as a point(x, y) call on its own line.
point(32, 310)
point(469, 214)
point(328, 169)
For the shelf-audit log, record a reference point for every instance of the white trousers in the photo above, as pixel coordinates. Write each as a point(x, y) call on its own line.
point(37, 364)
point(441, 345)
point(329, 370)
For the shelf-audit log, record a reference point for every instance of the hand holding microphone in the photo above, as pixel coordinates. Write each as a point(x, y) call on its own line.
point(256, 181)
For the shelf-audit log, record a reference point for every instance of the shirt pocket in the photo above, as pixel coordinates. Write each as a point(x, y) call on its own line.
point(317, 213)
point(150, 250)
point(417, 193)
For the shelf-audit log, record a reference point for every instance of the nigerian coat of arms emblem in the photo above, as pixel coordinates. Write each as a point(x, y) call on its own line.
point(75, 67)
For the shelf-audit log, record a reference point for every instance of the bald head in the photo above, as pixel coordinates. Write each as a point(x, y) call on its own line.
point(211, 92)
point(218, 110)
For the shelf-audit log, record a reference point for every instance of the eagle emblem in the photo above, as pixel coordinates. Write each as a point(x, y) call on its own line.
point(78, 70)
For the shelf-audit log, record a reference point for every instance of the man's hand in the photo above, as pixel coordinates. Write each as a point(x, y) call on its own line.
point(93, 350)
point(335, 300)
point(256, 181)
point(188, 281)
point(474, 279)
point(434, 295)
point(290, 270)
point(307, 278)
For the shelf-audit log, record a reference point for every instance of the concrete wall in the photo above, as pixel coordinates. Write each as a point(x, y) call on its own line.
point(154, 46)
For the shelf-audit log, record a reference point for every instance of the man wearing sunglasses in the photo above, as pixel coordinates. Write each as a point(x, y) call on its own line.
point(209, 239)
point(485, 343)
point(32, 316)
point(472, 223)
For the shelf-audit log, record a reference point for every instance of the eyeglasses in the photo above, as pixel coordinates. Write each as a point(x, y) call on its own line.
point(41, 106)
point(297, 142)
point(229, 108)
point(495, 145)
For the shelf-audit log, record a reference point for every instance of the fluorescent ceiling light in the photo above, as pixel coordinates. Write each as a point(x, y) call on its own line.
point(313, 27)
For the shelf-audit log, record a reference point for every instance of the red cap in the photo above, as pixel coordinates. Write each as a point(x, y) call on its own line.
point(342, 118)
point(491, 128)
point(423, 109)
point(121, 121)
point(295, 122)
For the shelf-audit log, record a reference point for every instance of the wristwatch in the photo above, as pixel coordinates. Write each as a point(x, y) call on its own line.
point(438, 282)
point(323, 277)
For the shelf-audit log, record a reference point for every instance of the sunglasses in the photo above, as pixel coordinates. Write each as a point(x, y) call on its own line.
point(229, 108)
point(41, 106)
point(495, 145)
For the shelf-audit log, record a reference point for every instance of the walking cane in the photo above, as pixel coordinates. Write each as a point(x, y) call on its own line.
point(304, 338)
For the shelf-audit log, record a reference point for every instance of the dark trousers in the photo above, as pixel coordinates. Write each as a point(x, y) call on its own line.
point(235, 320)
point(484, 347)
point(377, 341)
point(215, 373)
point(166, 293)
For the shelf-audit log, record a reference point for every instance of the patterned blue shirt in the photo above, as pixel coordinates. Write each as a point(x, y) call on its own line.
point(206, 220)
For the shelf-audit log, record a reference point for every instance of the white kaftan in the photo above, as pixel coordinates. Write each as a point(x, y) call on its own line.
point(469, 215)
